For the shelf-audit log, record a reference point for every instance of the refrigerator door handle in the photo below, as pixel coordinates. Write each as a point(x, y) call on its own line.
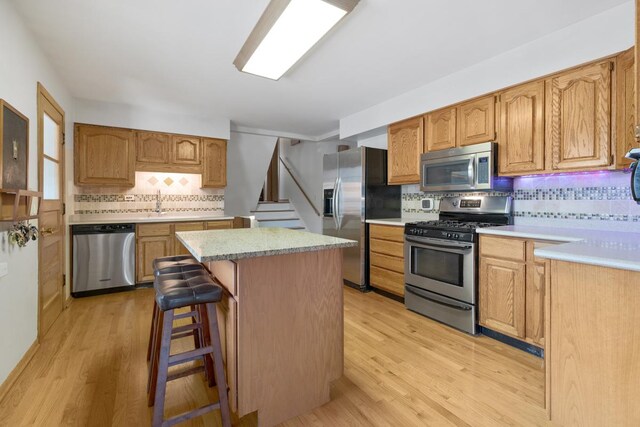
point(337, 214)
point(335, 203)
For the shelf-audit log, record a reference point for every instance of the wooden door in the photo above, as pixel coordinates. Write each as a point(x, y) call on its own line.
point(51, 270)
point(178, 247)
point(152, 149)
point(405, 145)
point(579, 117)
point(104, 156)
point(215, 163)
point(625, 108)
point(521, 137)
point(186, 150)
point(148, 249)
point(477, 121)
point(227, 312)
point(534, 296)
point(440, 130)
point(502, 296)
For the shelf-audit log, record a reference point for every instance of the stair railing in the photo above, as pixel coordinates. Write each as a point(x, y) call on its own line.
point(295, 180)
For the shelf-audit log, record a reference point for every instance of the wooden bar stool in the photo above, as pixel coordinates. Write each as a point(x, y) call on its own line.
point(173, 293)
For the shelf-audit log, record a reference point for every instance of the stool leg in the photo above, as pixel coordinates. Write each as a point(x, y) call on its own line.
point(151, 329)
point(214, 336)
point(155, 350)
point(163, 368)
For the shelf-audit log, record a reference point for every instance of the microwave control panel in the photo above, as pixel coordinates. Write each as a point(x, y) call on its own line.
point(483, 170)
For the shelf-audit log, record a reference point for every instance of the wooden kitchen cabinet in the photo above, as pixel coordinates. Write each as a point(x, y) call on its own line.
point(537, 273)
point(222, 224)
point(522, 138)
point(440, 130)
point(405, 145)
point(227, 312)
point(185, 150)
point(148, 249)
point(476, 121)
point(215, 163)
point(178, 247)
point(386, 258)
point(625, 108)
point(579, 122)
point(104, 156)
point(153, 149)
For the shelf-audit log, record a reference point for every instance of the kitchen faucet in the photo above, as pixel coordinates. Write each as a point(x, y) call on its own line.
point(158, 202)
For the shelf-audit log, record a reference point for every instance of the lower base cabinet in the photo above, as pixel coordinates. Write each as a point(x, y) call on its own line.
point(386, 258)
point(227, 310)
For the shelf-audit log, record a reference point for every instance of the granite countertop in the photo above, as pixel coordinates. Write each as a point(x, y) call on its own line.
point(597, 247)
point(144, 217)
point(217, 245)
point(399, 222)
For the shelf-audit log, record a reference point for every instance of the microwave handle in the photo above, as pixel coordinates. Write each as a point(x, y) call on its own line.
point(635, 170)
point(471, 170)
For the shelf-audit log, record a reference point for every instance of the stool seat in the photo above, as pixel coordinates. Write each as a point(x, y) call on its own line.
point(186, 289)
point(175, 264)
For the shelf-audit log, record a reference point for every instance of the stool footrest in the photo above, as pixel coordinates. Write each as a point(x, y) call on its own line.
point(186, 328)
point(185, 373)
point(188, 415)
point(188, 356)
point(186, 315)
point(181, 335)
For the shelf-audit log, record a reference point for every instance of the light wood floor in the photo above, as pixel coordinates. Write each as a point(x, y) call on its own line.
point(401, 369)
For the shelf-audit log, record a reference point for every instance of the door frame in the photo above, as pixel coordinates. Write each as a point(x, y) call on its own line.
point(44, 96)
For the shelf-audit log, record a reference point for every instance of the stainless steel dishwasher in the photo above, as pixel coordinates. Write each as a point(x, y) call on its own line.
point(103, 258)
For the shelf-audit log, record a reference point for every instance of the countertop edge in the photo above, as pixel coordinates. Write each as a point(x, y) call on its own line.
point(528, 235)
point(586, 259)
point(399, 222)
point(148, 220)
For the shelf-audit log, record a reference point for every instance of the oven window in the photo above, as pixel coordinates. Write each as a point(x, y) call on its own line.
point(456, 173)
point(437, 265)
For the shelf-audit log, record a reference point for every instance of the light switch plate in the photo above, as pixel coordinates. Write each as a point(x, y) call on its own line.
point(4, 269)
point(129, 198)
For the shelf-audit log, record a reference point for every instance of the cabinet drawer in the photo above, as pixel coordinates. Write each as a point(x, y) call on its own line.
point(505, 248)
point(387, 280)
point(220, 225)
point(387, 262)
point(386, 232)
point(386, 247)
point(189, 226)
point(226, 273)
point(151, 230)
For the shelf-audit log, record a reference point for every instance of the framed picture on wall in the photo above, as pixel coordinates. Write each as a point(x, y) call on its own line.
point(14, 137)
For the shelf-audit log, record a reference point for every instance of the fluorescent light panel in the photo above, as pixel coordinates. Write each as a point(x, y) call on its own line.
point(300, 25)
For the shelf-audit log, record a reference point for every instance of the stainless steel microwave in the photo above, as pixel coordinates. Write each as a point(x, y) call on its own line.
point(470, 168)
point(635, 173)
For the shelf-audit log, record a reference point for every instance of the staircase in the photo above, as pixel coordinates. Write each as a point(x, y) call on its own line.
point(277, 214)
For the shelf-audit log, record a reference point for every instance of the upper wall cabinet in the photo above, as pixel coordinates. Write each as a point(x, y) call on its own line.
point(405, 145)
point(152, 149)
point(186, 150)
point(104, 156)
point(477, 121)
point(521, 137)
point(215, 163)
point(625, 108)
point(579, 117)
point(440, 129)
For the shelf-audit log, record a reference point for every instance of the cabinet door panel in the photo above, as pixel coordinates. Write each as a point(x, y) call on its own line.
point(535, 291)
point(502, 296)
point(521, 136)
point(405, 145)
point(579, 122)
point(440, 130)
point(477, 121)
point(186, 150)
point(148, 249)
point(104, 156)
point(625, 108)
point(153, 148)
point(227, 313)
point(215, 163)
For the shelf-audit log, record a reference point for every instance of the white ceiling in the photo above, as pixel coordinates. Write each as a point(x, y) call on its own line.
point(177, 55)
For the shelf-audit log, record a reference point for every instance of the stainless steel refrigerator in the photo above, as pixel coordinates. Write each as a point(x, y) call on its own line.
point(355, 189)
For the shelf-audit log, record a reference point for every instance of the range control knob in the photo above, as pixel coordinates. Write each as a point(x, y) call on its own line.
point(449, 235)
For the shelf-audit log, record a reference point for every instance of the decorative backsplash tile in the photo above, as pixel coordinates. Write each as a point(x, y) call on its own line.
point(600, 199)
point(179, 193)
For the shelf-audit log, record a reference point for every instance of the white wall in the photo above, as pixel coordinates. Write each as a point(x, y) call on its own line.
point(128, 116)
point(248, 158)
point(21, 67)
point(377, 140)
point(592, 38)
point(305, 160)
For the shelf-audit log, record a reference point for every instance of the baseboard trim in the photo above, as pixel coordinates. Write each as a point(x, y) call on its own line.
point(15, 373)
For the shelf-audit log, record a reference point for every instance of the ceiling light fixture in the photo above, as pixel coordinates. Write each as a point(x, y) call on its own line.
point(286, 31)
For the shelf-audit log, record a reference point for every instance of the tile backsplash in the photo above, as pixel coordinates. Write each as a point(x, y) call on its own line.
point(599, 200)
point(179, 193)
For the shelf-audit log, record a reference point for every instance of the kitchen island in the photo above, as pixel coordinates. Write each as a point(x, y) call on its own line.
point(281, 317)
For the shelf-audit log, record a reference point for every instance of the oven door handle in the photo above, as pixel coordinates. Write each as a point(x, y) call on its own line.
point(434, 245)
point(435, 299)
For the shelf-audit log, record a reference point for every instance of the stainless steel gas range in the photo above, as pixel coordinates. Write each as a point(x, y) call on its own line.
point(441, 259)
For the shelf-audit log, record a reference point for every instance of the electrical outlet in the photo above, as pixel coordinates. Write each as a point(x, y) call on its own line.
point(428, 204)
point(129, 198)
point(4, 269)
